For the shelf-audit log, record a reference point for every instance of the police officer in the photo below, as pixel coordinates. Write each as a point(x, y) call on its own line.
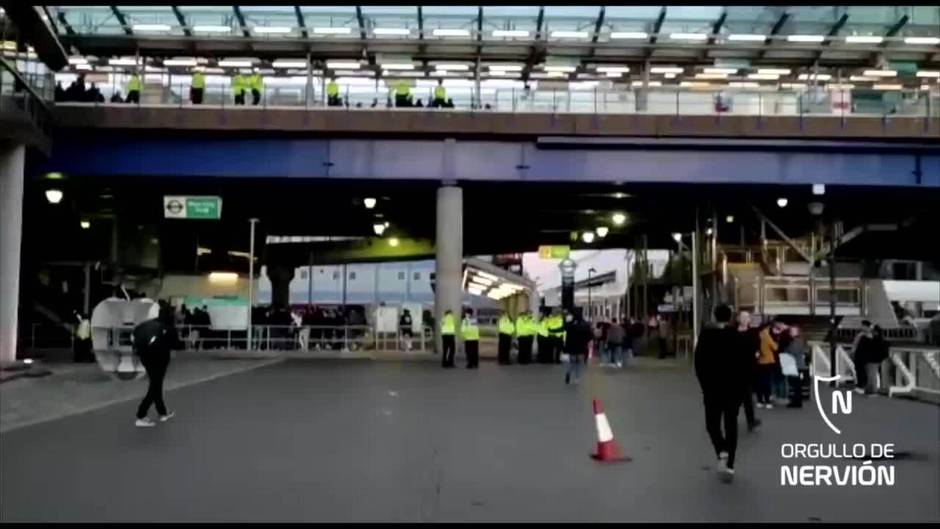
point(440, 95)
point(525, 333)
point(556, 330)
point(404, 326)
point(471, 339)
point(506, 329)
point(448, 339)
point(402, 94)
point(239, 83)
point(198, 88)
point(544, 340)
point(256, 83)
point(332, 93)
point(153, 340)
point(133, 89)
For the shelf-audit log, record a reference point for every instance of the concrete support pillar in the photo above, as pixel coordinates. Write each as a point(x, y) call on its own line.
point(12, 158)
point(448, 268)
point(280, 277)
point(642, 94)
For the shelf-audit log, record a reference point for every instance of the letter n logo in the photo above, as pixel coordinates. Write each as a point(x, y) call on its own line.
point(842, 400)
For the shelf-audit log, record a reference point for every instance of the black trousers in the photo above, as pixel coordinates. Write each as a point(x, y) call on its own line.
point(544, 354)
point(796, 390)
point(133, 97)
point(255, 97)
point(195, 95)
point(505, 345)
point(558, 344)
point(525, 349)
point(334, 101)
point(723, 409)
point(402, 101)
point(472, 349)
point(240, 99)
point(83, 351)
point(156, 369)
point(449, 345)
point(747, 402)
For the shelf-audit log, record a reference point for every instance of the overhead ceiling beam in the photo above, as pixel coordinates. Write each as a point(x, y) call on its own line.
point(182, 20)
point(121, 20)
point(479, 33)
point(892, 31)
point(362, 29)
point(422, 48)
point(534, 50)
point(597, 29)
point(716, 28)
point(241, 21)
point(65, 24)
point(654, 33)
point(301, 23)
point(778, 26)
point(833, 31)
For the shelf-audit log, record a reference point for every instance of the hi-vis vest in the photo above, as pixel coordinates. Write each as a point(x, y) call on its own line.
point(543, 327)
point(447, 325)
point(133, 84)
point(469, 329)
point(402, 89)
point(239, 84)
point(506, 326)
point(440, 93)
point(332, 89)
point(556, 325)
point(199, 80)
point(526, 326)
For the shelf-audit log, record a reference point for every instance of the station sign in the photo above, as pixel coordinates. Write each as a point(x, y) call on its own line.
point(199, 208)
point(554, 251)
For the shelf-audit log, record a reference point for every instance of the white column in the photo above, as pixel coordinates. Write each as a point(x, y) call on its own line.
point(448, 291)
point(12, 158)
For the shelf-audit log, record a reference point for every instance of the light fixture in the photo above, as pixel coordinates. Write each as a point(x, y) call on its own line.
point(922, 40)
point(54, 196)
point(782, 202)
point(928, 73)
point(398, 66)
point(864, 39)
point(601, 231)
point(211, 29)
point(223, 277)
point(369, 202)
point(818, 77)
point(774, 71)
point(235, 63)
point(123, 61)
point(85, 224)
point(747, 37)
point(881, 73)
point(620, 195)
point(343, 65)
point(510, 33)
point(182, 61)
point(618, 219)
point(726, 71)
point(393, 242)
point(588, 237)
point(563, 34)
point(669, 75)
point(391, 31)
point(862, 79)
point(819, 189)
point(485, 281)
point(387, 224)
point(505, 67)
point(695, 84)
point(729, 219)
point(744, 84)
point(886, 86)
point(332, 31)
point(628, 35)
point(559, 68)
point(688, 36)
point(151, 27)
point(708, 231)
point(806, 38)
point(666, 69)
point(442, 32)
point(711, 76)
point(77, 60)
point(763, 76)
point(676, 236)
point(379, 229)
point(54, 176)
point(289, 63)
point(272, 30)
point(613, 69)
point(450, 66)
point(83, 67)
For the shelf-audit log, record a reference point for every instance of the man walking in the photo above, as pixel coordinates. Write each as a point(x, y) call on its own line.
point(153, 340)
point(749, 349)
point(721, 375)
point(448, 339)
point(578, 337)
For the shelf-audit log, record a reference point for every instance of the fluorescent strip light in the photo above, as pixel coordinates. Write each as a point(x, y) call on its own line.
point(506, 67)
point(843, 86)
point(266, 30)
point(485, 281)
point(747, 37)
point(401, 73)
point(651, 83)
point(391, 31)
point(561, 34)
point(862, 79)
point(83, 67)
point(451, 33)
point(343, 65)
point(792, 86)
point(123, 61)
point(726, 71)
point(881, 73)
point(212, 29)
point(928, 73)
point(488, 275)
point(452, 67)
point(558, 68)
point(288, 63)
point(694, 84)
point(180, 62)
point(332, 31)
point(151, 27)
point(774, 71)
point(763, 76)
point(743, 84)
point(818, 77)
point(613, 74)
point(556, 74)
point(223, 277)
point(670, 75)
point(77, 60)
point(711, 76)
point(613, 69)
point(665, 69)
point(510, 33)
point(628, 35)
point(398, 66)
point(688, 36)
point(922, 40)
point(864, 39)
point(233, 63)
point(806, 38)
point(877, 86)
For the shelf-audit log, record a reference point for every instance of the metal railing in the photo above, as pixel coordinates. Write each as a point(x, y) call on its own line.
point(657, 101)
point(307, 338)
point(908, 370)
point(18, 95)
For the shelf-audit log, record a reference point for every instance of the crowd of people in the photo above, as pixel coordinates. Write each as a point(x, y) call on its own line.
point(78, 91)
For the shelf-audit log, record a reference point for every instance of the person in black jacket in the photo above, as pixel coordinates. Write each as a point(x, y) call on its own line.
point(153, 340)
point(578, 336)
point(722, 373)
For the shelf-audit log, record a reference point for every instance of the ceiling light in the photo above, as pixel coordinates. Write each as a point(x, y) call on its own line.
point(747, 37)
point(54, 196)
point(77, 60)
point(881, 73)
point(651, 83)
point(561, 34)
point(694, 84)
point(332, 31)
point(726, 71)
point(864, 39)
point(708, 231)
point(729, 219)
point(782, 202)
point(928, 73)
point(763, 76)
point(180, 62)
point(289, 63)
point(391, 31)
point(387, 224)
point(613, 74)
point(369, 202)
point(211, 29)
point(379, 229)
point(494, 295)
point(922, 40)
point(588, 237)
point(151, 27)
point(818, 77)
point(806, 38)
point(628, 35)
point(54, 176)
point(451, 33)
point(774, 71)
point(510, 33)
point(343, 65)
point(235, 63)
point(269, 30)
point(393, 242)
point(487, 275)
point(485, 281)
point(618, 219)
point(791, 86)
point(223, 277)
point(505, 67)
point(601, 231)
point(85, 224)
point(711, 76)
point(861, 79)
point(743, 84)
point(398, 66)
point(665, 69)
point(83, 67)
point(688, 36)
point(452, 67)
point(613, 69)
point(878, 86)
point(676, 236)
point(123, 61)
point(819, 189)
point(669, 75)
point(559, 68)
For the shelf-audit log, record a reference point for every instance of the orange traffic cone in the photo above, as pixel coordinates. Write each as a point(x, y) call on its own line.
point(607, 448)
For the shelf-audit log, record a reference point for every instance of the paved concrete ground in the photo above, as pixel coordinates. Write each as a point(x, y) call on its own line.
point(407, 441)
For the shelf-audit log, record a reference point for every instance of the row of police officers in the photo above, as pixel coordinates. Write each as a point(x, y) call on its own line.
point(547, 334)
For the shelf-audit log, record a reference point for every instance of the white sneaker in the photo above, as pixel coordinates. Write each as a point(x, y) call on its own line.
point(727, 475)
point(168, 416)
point(768, 406)
point(860, 391)
point(620, 365)
point(146, 422)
